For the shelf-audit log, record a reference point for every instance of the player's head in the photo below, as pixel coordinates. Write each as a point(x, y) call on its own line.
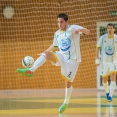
point(62, 21)
point(110, 28)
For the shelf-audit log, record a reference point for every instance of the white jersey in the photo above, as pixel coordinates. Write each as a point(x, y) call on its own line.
point(108, 48)
point(68, 43)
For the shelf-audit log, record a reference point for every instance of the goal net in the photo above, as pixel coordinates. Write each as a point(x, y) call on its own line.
point(30, 31)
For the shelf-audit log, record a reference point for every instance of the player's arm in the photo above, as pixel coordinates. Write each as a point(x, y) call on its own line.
point(98, 47)
point(97, 60)
point(51, 48)
point(84, 31)
point(80, 30)
point(54, 45)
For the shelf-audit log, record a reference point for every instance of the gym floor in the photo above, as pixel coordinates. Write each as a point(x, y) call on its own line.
point(45, 103)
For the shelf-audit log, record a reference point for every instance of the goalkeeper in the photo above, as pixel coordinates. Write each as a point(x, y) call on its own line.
point(107, 45)
point(67, 39)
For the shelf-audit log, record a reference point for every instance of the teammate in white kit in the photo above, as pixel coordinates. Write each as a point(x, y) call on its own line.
point(107, 44)
point(67, 39)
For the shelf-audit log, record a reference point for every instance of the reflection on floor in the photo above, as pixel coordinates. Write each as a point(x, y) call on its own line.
point(45, 103)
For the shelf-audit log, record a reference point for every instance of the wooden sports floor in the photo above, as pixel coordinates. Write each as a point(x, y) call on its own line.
point(45, 103)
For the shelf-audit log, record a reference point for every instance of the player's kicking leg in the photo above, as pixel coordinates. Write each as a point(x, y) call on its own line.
point(39, 62)
point(25, 71)
point(68, 92)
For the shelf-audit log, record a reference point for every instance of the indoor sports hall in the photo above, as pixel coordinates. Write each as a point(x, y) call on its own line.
point(27, 27)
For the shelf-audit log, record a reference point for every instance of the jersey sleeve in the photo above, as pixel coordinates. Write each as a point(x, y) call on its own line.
point(55, 42)
point(99, 43)
point(74, 27)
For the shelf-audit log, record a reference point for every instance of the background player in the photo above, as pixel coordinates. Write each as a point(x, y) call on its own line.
point(107, 43)
point(67, 39)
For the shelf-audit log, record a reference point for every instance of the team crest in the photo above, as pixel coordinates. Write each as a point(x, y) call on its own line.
point(109, 50)
point(65, 44)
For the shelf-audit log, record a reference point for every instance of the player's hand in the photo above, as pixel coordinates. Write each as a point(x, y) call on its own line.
point(77, 31)
point(41, 53)
point(97, 62)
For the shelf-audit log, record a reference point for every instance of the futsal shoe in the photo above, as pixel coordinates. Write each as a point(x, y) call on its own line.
point(107, 94)
point(109, 98)
point(62, 108)
point(25, 71)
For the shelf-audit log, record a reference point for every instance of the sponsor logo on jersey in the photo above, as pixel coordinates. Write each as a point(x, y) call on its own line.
point(109, 50)
point(65, 44)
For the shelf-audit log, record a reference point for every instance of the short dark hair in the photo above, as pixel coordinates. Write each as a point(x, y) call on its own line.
point(111, 24)
point(63, 15)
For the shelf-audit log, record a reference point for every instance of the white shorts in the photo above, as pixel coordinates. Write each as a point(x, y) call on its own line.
point(106, 69)
point(68, 67)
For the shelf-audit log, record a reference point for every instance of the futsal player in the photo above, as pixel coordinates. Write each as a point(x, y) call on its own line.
point(67, 39)
point(107, 44)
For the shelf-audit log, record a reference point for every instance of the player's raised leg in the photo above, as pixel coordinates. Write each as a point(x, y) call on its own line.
point(39, 62)
point(68, 91)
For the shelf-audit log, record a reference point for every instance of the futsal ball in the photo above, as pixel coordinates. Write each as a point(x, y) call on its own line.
point(28, 61)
